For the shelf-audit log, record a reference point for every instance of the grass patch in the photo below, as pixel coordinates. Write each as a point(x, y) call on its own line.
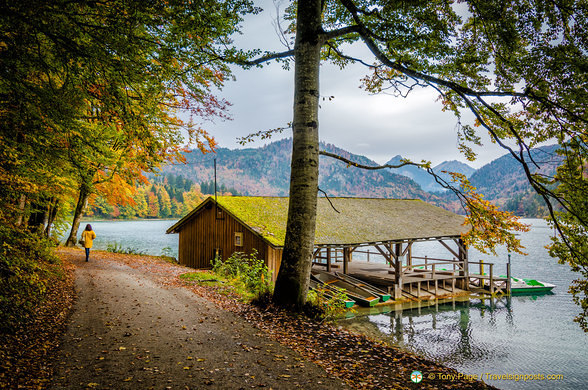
point(200, 276)
point(243, 275)
point(118, 248)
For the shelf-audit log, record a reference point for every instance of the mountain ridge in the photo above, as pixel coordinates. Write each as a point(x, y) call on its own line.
point(265, 171)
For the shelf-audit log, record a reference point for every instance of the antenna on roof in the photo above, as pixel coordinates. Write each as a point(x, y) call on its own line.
point(215, 180)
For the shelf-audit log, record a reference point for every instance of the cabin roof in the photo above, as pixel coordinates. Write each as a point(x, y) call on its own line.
point(359, 220)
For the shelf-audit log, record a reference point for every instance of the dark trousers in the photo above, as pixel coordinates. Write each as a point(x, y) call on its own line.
point(87, 253)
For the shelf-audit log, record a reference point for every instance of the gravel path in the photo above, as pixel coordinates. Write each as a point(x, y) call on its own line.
point(129, 330)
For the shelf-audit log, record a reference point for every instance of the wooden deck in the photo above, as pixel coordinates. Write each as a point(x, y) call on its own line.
point(422, 284)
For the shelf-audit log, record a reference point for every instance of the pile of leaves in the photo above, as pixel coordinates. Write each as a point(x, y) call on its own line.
point(26, 349)
point(359, 361)
point(27, 266)
point(356, 359)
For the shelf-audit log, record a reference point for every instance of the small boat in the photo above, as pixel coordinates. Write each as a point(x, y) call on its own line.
point(359, 295)
point(529, 286)
point(328, 292)
point(360, 283)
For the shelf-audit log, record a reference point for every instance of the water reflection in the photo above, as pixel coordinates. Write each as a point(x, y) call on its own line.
point(441, 331)
point(481, 335)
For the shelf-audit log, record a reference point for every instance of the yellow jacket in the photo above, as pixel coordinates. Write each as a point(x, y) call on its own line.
point(88, 236)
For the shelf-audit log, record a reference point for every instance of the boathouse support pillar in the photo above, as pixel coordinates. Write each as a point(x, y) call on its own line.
point(346, 256)
point(463, 257)
point(328, 259)
point(397, 271)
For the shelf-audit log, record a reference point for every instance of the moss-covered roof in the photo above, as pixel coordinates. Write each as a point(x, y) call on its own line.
point(359, 221)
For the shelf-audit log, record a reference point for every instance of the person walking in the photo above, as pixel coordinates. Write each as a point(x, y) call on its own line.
point(87, 240)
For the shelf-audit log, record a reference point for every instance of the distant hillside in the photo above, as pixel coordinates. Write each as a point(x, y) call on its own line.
point(453, 166)
point(426, 181)
point(266, 171)
point(503, 181)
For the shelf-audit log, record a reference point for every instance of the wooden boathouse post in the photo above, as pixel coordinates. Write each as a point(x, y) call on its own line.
point(346, 256)
point(463, 257)
point(328, 259)
point(397, 271)
point(508, 281)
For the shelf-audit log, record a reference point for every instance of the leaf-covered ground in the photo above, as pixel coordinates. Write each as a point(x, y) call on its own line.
point(24, 354)
point(136, 325)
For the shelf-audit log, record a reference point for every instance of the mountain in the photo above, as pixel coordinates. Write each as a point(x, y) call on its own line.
point(266, 171)
point(503, 181)
point(453, 166)
point(426, 181)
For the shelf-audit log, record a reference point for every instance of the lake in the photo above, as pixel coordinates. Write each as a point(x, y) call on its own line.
point(147, 236)
point(522, 335)
point(532, 335)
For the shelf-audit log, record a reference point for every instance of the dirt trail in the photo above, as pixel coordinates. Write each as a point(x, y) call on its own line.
point(131, 331)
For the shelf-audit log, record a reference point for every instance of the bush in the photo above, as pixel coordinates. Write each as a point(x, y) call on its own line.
point(248, 270)
point(25, 270)
point(323, 304)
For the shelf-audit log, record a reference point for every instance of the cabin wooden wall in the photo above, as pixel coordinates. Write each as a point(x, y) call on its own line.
point(273, 260)
point(204, 232)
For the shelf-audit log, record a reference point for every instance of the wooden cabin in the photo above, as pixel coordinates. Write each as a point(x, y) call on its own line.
point(243, 223)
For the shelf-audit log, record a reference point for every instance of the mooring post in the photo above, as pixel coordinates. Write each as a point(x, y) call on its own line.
point(508, 285)
point(491, 279)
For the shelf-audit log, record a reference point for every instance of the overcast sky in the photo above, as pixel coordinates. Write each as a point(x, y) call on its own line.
point(378, 127)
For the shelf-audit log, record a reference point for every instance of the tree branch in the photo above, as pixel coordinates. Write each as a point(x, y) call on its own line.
point(368, 167)
point(331, 203)
point(328, 35)
point(266, 58)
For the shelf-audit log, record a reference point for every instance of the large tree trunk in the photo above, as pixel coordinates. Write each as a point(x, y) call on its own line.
point(292, 281)
point(38, 207)
point(53, 207)
point(80, 207)
point(21, 209)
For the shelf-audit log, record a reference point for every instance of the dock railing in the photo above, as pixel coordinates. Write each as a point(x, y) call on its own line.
point(495, 284)
point(431, 264)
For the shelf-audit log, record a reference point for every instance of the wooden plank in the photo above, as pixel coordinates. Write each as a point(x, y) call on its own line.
point(449, 249)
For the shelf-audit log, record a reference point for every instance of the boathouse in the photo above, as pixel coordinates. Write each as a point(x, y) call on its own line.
point(344, 225)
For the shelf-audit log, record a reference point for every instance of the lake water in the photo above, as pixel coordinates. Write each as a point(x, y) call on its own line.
point(525, 335)
point(532, 335)
point(147, 236)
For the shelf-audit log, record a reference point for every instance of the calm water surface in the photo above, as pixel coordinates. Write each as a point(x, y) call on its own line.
point(522, 335)
point(147, 236)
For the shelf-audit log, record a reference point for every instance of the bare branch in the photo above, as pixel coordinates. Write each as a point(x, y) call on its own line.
point(354, 59)
point(331, 203)
point(263, 134)
point(368, 167)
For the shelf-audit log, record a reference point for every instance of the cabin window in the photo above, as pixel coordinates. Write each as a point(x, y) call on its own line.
point(219, 213)
point(238, 239)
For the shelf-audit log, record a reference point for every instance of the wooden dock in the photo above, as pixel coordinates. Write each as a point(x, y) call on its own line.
point(434, 279)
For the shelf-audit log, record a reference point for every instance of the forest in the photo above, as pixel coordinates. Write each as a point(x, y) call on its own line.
point(166, 196)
